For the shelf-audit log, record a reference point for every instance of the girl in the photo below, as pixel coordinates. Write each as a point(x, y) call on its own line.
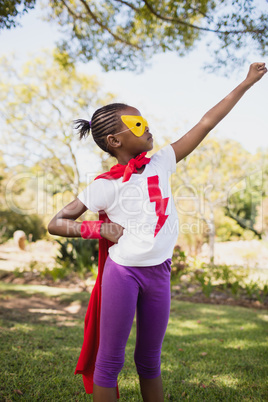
point(143, 228)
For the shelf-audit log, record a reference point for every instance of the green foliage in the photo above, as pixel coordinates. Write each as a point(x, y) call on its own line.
point(205, 284)
point(265, 289)
point(125, 35)
point(11, 221)
point(10, 10)
point(39, 269)
point(223, 275)
point(209, 277)
point(227, 229)
point(253, 290)
point(56, 273)
point(235, 287)
point(243, 207)
point(63, 59)
point(77, 255)
point(25, 91)
point(204, 187)
point(178, 261)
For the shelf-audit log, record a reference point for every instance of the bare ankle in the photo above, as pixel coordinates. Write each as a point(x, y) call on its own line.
point(103, 394)
point(152, 389)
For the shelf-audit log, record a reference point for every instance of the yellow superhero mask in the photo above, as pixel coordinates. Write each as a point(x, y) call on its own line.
point(136, 124)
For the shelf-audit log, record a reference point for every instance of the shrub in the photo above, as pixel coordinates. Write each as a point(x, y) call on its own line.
point(179, 263)
point(77, 255)
point(30, 224)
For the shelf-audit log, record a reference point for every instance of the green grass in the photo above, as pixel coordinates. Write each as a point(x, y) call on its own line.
point(11, 290)
point(210, 353)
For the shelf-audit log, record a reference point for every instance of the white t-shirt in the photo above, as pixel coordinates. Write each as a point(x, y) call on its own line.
point(144, 206)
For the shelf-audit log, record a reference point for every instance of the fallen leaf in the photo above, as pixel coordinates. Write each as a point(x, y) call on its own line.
point(18, 391)
point(183, 394)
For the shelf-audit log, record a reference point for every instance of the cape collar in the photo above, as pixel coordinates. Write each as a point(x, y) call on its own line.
point(125, 171)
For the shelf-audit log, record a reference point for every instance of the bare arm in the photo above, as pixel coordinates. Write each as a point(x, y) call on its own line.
point(64, 223)
point(185, 145)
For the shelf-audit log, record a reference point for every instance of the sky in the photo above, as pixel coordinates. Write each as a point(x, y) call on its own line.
point(173, 93)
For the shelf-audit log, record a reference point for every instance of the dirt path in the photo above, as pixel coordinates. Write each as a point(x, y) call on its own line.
point(11, 257)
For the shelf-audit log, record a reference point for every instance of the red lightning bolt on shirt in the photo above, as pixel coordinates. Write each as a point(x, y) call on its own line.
point(160, 203)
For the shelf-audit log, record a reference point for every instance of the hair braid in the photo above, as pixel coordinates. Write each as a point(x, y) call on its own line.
point(104, 121)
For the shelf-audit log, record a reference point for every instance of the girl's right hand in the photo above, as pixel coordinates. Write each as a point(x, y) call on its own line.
point(111, 231)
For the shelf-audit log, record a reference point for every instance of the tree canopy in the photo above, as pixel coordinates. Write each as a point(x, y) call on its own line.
point(219, 173)
point(10, 10)
point(124, 34)
point(39, 102)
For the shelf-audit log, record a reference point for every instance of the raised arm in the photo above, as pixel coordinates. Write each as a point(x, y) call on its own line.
point(185, 145)
point(64, 223)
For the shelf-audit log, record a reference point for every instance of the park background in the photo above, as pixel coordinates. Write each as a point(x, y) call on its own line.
point(220, 268)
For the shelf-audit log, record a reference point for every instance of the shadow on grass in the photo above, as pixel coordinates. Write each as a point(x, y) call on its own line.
point(216, 353)
point(25, 291)
point(29, 303)
point(210, 353)
point(38, 361)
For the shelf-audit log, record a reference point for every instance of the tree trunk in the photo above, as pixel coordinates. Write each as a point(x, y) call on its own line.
point(211, 242)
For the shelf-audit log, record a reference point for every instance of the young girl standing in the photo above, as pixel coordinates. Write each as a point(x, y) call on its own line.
point(143, 229)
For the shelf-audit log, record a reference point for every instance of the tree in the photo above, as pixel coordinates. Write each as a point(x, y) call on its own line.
point(3, 178)
point(38, 105)
point(243, 205)
point(124, 34)
point(261, 224)
point(10, 10)
point(11, 220)
point(207, 180)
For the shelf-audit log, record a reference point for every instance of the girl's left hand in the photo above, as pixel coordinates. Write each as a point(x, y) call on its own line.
point(256, 72)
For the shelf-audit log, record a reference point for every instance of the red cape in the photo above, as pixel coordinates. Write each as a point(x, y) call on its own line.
point(87, 358)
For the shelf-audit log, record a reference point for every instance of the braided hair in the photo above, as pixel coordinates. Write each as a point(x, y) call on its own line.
point(104, 121)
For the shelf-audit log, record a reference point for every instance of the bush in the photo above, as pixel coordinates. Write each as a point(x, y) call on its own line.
point(221, 278)
point(224, 276)
point(178, 261)
point(77, 255)
point(30, 224)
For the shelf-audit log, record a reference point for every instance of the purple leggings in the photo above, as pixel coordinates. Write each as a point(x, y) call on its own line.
point(125, 289)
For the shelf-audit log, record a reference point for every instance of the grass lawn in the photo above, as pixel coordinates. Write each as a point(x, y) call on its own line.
point(210, 353)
